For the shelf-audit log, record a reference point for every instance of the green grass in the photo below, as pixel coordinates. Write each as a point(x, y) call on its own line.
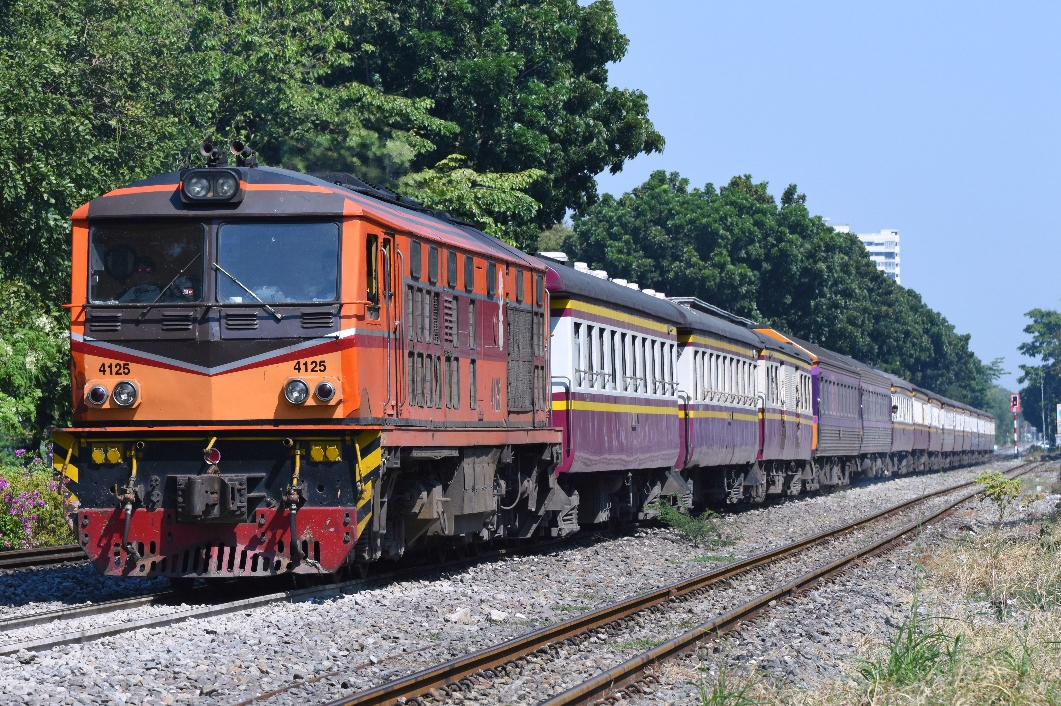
point(720, 692)
point(918, 649)
point(714, 559)
point(703, 530)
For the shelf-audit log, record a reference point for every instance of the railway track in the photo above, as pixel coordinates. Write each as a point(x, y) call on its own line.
point(210, 606)
point(440, 682)
point(48, 556)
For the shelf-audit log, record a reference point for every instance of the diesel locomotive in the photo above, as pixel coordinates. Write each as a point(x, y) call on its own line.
point(286, 373)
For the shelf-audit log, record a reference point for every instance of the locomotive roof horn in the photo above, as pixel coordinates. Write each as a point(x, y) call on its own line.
point(214, 154)
point(245, 156)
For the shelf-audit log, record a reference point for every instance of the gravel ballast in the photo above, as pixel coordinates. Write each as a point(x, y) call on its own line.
point(360, 639)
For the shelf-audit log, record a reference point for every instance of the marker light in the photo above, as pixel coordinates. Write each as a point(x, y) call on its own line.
point(124, 394)
point(296, 391)
point(325, 391)
point(212, 456)
point(98, 395)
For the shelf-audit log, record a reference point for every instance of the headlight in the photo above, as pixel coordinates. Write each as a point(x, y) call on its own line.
point(212, 184)
point(124, 394)
point(98, 395)
point(225, 186)
point(325, 391)
point(296, 391)
point(197, 187)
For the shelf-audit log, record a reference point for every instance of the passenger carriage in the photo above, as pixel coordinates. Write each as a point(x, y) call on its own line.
point(614, 393)
point(903, 426)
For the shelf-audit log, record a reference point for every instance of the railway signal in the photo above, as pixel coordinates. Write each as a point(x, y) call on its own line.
point(1014, 405)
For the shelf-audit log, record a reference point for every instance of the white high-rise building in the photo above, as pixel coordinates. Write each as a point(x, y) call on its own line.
point(883, 249)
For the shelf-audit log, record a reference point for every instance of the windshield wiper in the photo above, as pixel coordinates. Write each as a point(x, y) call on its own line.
point(268, 308)
point(164, 289)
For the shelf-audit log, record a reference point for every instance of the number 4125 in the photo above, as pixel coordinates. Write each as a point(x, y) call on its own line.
point(114, 368)
point(310, 366)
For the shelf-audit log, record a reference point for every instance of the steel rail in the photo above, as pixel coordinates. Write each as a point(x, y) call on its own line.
point(213, 608)
point(28, 558)
point(453, 671)
point(626, 672)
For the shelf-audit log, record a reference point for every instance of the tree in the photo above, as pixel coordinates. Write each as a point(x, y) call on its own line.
point(1042, 381)
point(739, 249)
point(526, 84)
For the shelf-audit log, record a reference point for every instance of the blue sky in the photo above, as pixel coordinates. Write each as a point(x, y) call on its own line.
point(938, 119)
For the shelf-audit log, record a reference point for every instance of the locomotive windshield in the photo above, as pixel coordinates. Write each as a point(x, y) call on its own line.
point(279, 262)
point(146, 263)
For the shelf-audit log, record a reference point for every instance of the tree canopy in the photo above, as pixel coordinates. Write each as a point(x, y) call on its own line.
point(738, 248)
point(497, 112)
point(1042, 382)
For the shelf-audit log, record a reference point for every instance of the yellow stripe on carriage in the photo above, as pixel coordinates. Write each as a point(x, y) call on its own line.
point(588, 406)
point(718, 414)
point(716, 343)
point(558, 306)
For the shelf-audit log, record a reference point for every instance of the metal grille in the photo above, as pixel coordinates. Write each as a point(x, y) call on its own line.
point(449, 320)
point(520, 360)
point(105, 323)
point(317, 319)
point(241, 321)
point(177, 320)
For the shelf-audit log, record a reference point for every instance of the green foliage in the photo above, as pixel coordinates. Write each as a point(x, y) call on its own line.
point(918, 650)
point(488, 200)
point(720, 692)
point(737, 248)
point(31, 505)
point(34, 381)
point(1000, 490)
point(1045, 330)
point(526, 84)
point(703, 530)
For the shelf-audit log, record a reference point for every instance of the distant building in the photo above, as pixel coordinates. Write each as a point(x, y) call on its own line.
point(883, 249)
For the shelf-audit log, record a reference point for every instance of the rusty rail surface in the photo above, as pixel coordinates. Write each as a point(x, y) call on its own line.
point(29, 558)
point(452, 672)
point(593, 689)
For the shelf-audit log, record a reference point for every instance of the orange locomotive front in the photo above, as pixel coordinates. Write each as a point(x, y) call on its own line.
point(277, 372)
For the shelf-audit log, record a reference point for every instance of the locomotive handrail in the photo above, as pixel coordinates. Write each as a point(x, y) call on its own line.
point(566, 381)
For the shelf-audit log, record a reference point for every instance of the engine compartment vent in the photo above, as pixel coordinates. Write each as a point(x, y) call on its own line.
point(177, 320)
point(241, 321)
point(110, 322)
point(318, 319)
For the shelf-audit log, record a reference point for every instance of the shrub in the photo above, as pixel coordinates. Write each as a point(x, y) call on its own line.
point(702, 530)
point(31, 505)
point(1000, 490)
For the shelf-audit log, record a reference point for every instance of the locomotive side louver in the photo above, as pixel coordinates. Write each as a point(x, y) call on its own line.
point(177, 320)
point(317, 319)
point(105, 323)
point(241, 321)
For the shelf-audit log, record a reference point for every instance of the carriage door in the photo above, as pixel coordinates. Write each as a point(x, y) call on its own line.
point(782, 385)
point(385, 275)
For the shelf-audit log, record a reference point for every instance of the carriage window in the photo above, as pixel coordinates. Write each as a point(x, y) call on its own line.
point(539, 290)
point(601, 358)
point(519, 285)
point(371, 273)
point(491, 279)
point(432, 264)
point(139, 264)
point(415, 256)
point(278, 262)
point(387, 248)
point(611, 350)
point(471, 324)
point(451, 269)
point(591, 380)
point(469, 273)
point(577, 342)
